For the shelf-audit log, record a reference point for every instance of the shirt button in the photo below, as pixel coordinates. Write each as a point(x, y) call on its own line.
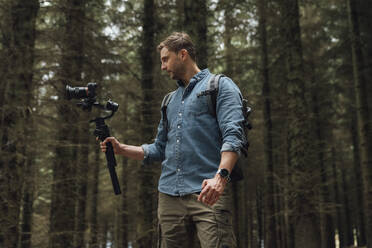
point(179, 126)
point(178, 141)
point(178, 170)
point(183, 102)
point(180, 114)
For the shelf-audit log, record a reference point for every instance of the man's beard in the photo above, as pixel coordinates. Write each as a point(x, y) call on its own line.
point(177, 75)
point(177, 72)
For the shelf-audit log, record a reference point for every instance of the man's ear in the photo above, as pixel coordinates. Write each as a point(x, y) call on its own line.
point(184, 54)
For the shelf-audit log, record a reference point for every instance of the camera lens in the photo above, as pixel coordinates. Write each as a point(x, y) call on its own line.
point(76, 92)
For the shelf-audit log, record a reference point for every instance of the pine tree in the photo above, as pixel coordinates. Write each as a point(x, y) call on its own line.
point(271, 237)
point(62, 219)
point(195, 24)
point(303, 220)
point(364, 127)
point(18, 39)
point(147, 189)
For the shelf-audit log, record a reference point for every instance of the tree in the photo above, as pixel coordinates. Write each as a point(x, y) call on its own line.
point(195, 24)
point(145, 228)
point(93, 221)
point(364, 127)
point(18, 41)
point(62, 219)
point(271, 237)
point(316, 45)
point(303, 220)
point(82, 186)
point(364, 11)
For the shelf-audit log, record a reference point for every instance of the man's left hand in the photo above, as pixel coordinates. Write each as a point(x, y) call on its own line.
point(212, 189)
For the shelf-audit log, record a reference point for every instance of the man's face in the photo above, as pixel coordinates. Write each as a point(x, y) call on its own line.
point(172, 63)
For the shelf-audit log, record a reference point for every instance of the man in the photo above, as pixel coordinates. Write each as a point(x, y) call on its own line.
point(198, 152)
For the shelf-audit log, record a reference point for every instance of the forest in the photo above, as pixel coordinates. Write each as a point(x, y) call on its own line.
point(304, 66)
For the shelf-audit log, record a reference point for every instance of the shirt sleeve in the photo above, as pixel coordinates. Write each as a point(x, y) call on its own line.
point(230, 115)
point(156, 151)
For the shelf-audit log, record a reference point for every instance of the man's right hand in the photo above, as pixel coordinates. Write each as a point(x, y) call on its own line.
point(117, 147)
point(134, 152)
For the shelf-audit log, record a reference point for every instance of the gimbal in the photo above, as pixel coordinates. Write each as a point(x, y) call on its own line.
point(88, 100)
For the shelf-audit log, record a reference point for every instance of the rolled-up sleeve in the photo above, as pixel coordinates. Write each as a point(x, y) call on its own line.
point(230, 116)
point(156, 151)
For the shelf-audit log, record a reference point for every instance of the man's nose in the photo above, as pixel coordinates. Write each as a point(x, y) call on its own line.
point(163, 66)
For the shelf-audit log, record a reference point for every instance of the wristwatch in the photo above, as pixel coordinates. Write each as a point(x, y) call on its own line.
point(224, 173)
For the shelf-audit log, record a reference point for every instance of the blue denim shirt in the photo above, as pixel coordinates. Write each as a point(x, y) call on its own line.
point(190, 150)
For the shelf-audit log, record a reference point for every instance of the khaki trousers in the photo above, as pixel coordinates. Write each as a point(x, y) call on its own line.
point(181, 217)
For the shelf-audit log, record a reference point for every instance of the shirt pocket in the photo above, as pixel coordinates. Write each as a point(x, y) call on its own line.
point(198, 106)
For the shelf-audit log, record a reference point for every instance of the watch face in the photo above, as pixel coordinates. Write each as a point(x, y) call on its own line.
point(224, 172)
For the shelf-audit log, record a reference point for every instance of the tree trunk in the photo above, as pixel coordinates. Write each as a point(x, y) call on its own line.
point(304, 219)
point(29, 178)
point(228, 6)
point(62, 218)
point(123, 209)
point(247, 217)
point(235, 207)
point(364, 15)
point(94, 243)
point(320, 125)
point(82, 185)
point(364, 126)
point(124, 230)
point(15, 115)
point(195, 24)
point(283, 227)
point(180, 7)
point(105, 232)
point(260, 217)
point(271, 235)
point(145, 225)
point(28, 195)
point(338, 214)
point(228, 34)
point(358, 182)
point(347, 210)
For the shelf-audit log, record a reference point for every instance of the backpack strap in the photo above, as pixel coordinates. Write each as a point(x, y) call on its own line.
point(212, 88)
point(164, 105)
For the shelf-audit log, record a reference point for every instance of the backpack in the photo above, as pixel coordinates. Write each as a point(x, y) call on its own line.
point(212, 92)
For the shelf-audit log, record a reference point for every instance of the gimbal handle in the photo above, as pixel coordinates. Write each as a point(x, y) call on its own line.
point(102, 132)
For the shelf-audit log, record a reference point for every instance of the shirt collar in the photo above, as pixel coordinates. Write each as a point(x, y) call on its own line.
point(196, 78)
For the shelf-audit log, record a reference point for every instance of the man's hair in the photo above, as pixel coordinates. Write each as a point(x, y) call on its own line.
point(178, 41)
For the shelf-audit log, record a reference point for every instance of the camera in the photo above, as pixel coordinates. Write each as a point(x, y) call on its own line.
point(86, 94)
point(81, 92)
